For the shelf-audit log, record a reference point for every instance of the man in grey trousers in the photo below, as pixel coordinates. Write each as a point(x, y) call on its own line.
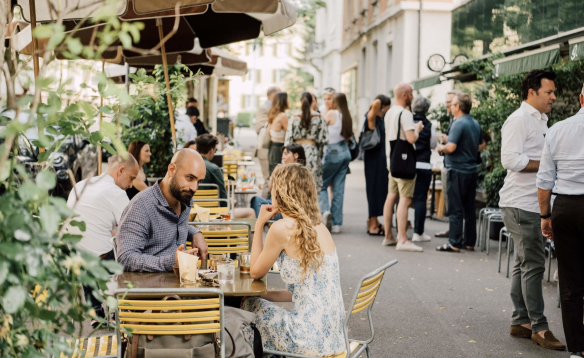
point(523, 139)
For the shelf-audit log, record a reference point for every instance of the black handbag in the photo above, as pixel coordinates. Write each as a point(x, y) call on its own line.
point(353, 148)
point(402, 160)
point(369, 139)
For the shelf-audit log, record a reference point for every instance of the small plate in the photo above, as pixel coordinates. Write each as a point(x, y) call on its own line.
point(208, 274)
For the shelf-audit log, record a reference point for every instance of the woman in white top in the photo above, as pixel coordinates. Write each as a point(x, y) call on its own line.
point(309, 268)
point(336, 159)
point(277, 126)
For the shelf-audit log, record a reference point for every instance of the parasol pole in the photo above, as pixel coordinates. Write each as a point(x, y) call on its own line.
point(167, 81)
point(99, 159)
point(35, 55)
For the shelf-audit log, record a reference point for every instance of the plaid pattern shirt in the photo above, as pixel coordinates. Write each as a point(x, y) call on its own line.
point(150, 231)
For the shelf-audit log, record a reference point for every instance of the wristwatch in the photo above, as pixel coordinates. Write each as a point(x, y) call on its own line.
point(547, 216)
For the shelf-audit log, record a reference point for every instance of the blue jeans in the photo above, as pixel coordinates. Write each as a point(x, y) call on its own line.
point(335, 164)
point(256, 204)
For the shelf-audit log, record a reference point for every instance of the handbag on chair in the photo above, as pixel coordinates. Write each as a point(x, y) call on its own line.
point(200, 345)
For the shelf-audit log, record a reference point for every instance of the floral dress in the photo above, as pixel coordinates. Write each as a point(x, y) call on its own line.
point(317, 132)
point(314, 327)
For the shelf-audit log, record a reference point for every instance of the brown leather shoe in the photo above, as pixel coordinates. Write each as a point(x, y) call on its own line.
point(548, 342)
point(518, 331)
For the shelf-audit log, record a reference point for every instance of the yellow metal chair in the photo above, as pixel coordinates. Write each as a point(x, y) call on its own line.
point(363, 299)
point(98, 346)
point(230, 169)
point(207, 191)
point(144, 312)
point(210, 202)
point(235, 238)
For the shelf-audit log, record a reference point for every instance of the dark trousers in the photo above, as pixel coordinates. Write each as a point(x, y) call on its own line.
point(568, 231)
point(90, 298)
point(462, 190)
point(423, 179)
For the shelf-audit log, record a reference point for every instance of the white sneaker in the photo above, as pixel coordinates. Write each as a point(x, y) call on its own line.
point(421, 238)
point(336, 229)
point(387, 242)
point(327, 220)
point(409, 247)
point(556, 276)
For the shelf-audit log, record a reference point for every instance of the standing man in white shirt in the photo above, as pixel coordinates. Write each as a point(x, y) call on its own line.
point(523, 138)
point(402, 189)
point(562, 170)
point(99, 202)
point(260, 121)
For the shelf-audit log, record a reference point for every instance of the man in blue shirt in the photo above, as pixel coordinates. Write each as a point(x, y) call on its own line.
point(460, 152)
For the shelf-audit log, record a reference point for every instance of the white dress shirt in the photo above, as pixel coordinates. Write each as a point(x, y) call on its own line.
point(185, 131)
point(562, 162)
point(100, 206)
point(523, 138)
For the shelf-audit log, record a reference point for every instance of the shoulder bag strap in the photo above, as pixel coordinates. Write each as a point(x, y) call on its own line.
point(399, 125)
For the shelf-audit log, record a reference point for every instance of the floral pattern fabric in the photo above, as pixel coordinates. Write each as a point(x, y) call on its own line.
point(317, 132)
point(314, 326)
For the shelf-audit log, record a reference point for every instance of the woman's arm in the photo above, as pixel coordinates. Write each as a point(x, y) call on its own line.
point(284, 121)
point(263, 258)
point(375, 107)
point(433, 137)
point(331, 117)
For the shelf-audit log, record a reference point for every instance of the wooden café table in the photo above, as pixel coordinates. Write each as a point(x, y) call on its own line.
point(243, 284)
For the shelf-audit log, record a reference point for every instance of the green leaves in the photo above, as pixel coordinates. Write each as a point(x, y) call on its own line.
point(49, 218)
point(79, 224)
point(46, 180)
point(14, 299)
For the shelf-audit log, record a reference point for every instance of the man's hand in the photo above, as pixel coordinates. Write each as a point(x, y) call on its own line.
point(200, 243)
point(419, 126)
point(546, 228)
point(267, 212)
point(442, 138)
point(181, 248)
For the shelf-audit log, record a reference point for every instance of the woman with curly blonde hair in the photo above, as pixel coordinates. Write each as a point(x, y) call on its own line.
point(309, 266)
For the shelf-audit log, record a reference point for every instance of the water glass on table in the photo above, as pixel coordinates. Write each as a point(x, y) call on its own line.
point(213, 259)
point(226, 271)
point(244, 262)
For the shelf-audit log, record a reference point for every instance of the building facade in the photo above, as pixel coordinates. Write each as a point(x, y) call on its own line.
point(381, 43)
point(268, 62)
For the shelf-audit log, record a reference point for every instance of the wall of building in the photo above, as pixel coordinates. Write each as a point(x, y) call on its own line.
point(269, 66)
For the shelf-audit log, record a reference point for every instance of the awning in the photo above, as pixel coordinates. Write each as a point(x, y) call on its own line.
point(426, 82)
point(527, 61)
point(577, 49)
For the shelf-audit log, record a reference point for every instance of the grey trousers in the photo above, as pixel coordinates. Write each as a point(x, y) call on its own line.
point(529, 268)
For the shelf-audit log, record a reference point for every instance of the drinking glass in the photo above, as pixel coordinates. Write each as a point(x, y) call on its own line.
point(226, 271)
point(244, 262)
point(213, 258)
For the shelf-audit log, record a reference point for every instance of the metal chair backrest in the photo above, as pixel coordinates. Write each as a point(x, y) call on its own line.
point(364, 298)
point(235, 238)
point(114, 247)
point(96, 346)
point(210, 202)
point(199, 311)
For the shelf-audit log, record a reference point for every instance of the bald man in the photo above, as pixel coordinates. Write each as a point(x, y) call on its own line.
point(155, 226)
point(99, 202)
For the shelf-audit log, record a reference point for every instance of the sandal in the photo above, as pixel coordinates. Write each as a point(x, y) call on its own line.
point(447, 248)
point(468, 248)
point(380, 232)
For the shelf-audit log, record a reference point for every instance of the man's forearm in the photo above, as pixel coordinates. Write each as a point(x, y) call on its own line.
point(532, 167)
point(544, 197)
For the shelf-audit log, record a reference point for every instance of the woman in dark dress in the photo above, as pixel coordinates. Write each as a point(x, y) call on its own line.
point(141, 151)
point(376, 173)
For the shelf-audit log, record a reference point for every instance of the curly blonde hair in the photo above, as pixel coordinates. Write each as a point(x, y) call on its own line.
point(296, 197)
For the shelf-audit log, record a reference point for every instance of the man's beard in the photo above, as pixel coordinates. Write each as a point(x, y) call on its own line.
point(184, 196)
